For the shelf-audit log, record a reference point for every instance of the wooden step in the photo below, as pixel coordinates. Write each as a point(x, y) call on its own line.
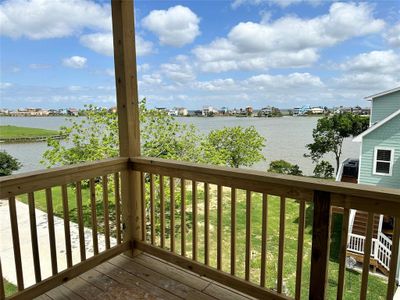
point(360, 224)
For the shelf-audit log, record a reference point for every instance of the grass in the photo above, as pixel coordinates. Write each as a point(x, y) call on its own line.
point(9, 288)
point(376, 286)
point(11, 132)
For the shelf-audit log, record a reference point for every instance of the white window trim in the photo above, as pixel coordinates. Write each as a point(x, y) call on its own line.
point(391, 161)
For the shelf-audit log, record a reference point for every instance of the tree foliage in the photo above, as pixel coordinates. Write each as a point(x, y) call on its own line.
point(324, 170)
point(8, 164)
point(284, 167)
point(96, 137)
point(234, 146)
point(331, 131)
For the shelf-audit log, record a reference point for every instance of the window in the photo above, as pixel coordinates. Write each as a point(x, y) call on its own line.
point(383, 161)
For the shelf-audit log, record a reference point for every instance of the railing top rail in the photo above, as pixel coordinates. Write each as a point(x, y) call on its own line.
point(359, 196)
point(36, 180)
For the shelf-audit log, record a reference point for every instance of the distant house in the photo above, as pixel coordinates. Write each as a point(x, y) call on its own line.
point(317, 110)
point(208, 111)
point(72, 112)
point(379, 165)
point(301, 111)
point(182, 111)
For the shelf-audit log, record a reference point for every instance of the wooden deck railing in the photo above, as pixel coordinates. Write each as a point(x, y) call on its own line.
point(233, 193)
point(75, 180)
point(201, 218)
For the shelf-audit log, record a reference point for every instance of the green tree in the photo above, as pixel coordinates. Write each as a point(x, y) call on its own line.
point(284, 167)
point(234, 146)
point(324, 170)
point(92, 138)
point(330, 133)
point(8, 164)
point(96, 137)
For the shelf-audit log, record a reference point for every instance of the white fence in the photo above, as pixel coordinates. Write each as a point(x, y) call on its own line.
point(381, 248)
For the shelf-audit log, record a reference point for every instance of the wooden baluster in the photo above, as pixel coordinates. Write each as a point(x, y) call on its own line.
point(2, 289)
point(281, 253)
point(183, 217)
point(172, 213)
point(34, 240)
point(320, 245)
point(16, 244)
point(206, 224)
point(194, 219)
point(143, 200)
point(233, 231)
point(367, 255)
point(264, 230)
point(67, 232)
point(342, 255)
point(52, 237)
point(219, 227)
point(117, 207)
point(248, 236)
point(152, 211)
point(393, 260)
point(106, 211)
point(162, 212)
point(92, 188)
point(300, 248)
point(80, 221)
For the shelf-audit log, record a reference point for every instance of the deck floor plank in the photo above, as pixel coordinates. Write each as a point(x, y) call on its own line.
point(136, 284)
point(167, 283)
point(142, 277)
point(189, 278)
point(63, 293)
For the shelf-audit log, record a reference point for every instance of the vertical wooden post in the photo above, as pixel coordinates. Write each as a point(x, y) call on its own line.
point(320, 245)
point(128, 114)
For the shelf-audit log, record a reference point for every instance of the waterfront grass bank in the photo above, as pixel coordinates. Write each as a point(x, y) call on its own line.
point(15, 134)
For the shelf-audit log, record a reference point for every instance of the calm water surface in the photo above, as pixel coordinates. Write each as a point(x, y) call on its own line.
point(286, 138)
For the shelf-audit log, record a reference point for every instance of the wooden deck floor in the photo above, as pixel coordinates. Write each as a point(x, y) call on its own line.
point(144, 277)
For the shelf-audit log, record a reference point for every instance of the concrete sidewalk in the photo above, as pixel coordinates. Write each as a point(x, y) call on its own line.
point(6, 245)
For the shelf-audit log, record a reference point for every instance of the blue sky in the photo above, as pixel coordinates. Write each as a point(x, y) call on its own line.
point(57, 54)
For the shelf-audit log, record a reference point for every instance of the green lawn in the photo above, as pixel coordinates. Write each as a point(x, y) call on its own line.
point(9, 132)
point(376, 286)
point(9, 288)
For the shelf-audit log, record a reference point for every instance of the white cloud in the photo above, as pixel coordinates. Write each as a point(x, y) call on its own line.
point(41, 19)
point(386, 62)
point(292, 80)
point(393, 36)
point(251, 46)
point(76, 62)
point(39, 66)
point(365, 83)
point(103, 43)
point(281, 3)
point(372, 71)
point(180, 71)
point(176, 26)
point(5, 85)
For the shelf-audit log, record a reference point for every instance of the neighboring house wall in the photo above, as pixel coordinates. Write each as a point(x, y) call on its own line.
point(386, 136)
point(384, 106)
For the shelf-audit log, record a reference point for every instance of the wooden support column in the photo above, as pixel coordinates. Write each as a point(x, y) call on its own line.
point(128, 114)
point(320, 245)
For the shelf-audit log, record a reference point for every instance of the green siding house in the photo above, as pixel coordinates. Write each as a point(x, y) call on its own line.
point(380, 144)
point(379, 164)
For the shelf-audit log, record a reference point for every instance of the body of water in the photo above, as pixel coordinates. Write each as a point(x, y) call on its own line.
point(286, 138)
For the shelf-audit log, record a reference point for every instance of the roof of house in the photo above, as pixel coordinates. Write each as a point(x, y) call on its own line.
point(359, 137)
point(383, 93)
